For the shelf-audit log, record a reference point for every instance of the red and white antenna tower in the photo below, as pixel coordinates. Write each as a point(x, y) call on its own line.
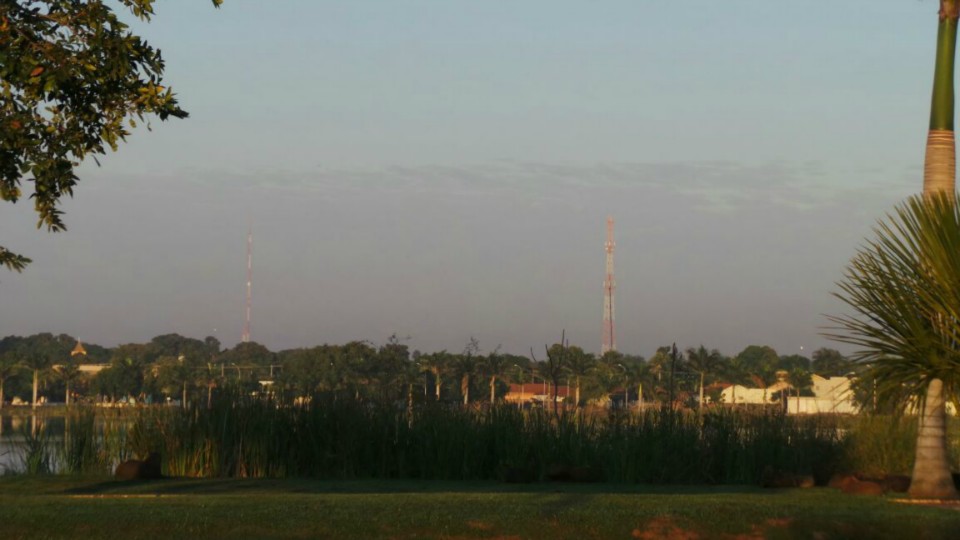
point(608, 342)
point(246, 323)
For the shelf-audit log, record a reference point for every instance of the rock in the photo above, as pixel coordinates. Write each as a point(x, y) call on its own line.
point(585, 474)
point(896, 483)
point(805, 481)
point(841, 480)
point(779, 479)
point(135, 469)
point(866, 487)
point(517, 475)
point(558, 472)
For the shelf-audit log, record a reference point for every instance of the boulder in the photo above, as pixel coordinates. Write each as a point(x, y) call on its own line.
point(135, 469)
point(896, 483)
point(558, 472)
point(517, 475)
point(780, 479)
point(865, 487)
point(585, 474)
point(805, 481)
point(841, 480)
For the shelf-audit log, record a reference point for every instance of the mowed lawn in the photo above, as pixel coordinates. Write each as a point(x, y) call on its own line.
point(57, 507)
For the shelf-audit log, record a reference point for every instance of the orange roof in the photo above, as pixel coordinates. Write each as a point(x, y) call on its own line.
point(78, 349)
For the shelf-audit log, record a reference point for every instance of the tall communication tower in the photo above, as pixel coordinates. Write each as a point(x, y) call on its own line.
point(246, 323)
point(608, 342)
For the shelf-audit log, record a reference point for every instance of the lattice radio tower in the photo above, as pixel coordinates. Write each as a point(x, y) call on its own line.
point(608, 342)
point(246, 323)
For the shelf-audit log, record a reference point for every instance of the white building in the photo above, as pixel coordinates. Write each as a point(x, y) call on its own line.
point(830, 395)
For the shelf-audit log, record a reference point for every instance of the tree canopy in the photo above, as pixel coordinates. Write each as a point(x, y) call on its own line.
point(73, 79)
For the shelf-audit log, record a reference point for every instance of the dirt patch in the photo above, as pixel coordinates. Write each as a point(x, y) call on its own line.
point(936, 503)
point(124, 496)
point(479, 525)
point(761, 531)
point(663, 527)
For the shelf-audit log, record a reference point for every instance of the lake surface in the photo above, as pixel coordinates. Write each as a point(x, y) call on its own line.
point(17, 428)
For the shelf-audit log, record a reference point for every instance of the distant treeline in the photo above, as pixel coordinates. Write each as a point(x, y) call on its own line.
point(172, 366)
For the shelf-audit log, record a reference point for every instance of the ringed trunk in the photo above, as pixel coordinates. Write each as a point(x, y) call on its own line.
point(1, 392)
point(939, 168)
point(577, 404)
point(67, 398)
point(36, 382)
point(931, 471)
point(493, 389)
point(436, 382)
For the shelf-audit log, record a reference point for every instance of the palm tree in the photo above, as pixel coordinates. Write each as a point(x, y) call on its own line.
point(494, 366)
point(703, 361)
point(8, 362)
point(68, 372)
point(554, 366)
point(580, 364)
point(438, 364)
point(800, 379)
point(467, 365)
point(37, 353)
point(903, 288)
point(939, 170)
point(638, 373)
point(8, 369)
point(736, 372)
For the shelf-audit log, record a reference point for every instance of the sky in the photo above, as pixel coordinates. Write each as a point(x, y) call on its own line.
point(443, 169)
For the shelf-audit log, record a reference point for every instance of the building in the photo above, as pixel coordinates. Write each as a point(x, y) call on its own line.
point(537, 392)
point(830, 395)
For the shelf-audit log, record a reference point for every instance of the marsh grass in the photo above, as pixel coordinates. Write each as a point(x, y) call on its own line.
point(339, 439)
point(34, 451)
point(343, 439)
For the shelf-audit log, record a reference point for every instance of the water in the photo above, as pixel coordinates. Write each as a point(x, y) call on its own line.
point(18, 427)
point(12, 437)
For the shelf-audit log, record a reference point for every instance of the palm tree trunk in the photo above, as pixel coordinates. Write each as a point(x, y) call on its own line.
point(939, 170)
point(577, 404)
point(67, 397)
point(410, 405)
point(465, 389)
point(931, 471)
point(493, 389)
point(2, 380)
point(36, 383)
point(210, 396)
point(701, 392)
point(437, 382)
point(184, 403)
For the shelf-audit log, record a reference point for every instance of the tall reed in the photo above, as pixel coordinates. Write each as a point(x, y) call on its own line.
point(331, 438)
point(34, 451)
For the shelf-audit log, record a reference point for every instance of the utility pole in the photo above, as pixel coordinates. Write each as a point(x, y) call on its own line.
point(245, 337)
point(608, 341)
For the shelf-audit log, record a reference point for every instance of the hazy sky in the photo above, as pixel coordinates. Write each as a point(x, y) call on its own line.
point(444, 169)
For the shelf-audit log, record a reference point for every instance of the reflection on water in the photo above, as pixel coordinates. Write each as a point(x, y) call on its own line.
point(50, 431)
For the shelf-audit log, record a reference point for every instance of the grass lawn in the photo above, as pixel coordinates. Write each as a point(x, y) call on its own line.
point(89, 508)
